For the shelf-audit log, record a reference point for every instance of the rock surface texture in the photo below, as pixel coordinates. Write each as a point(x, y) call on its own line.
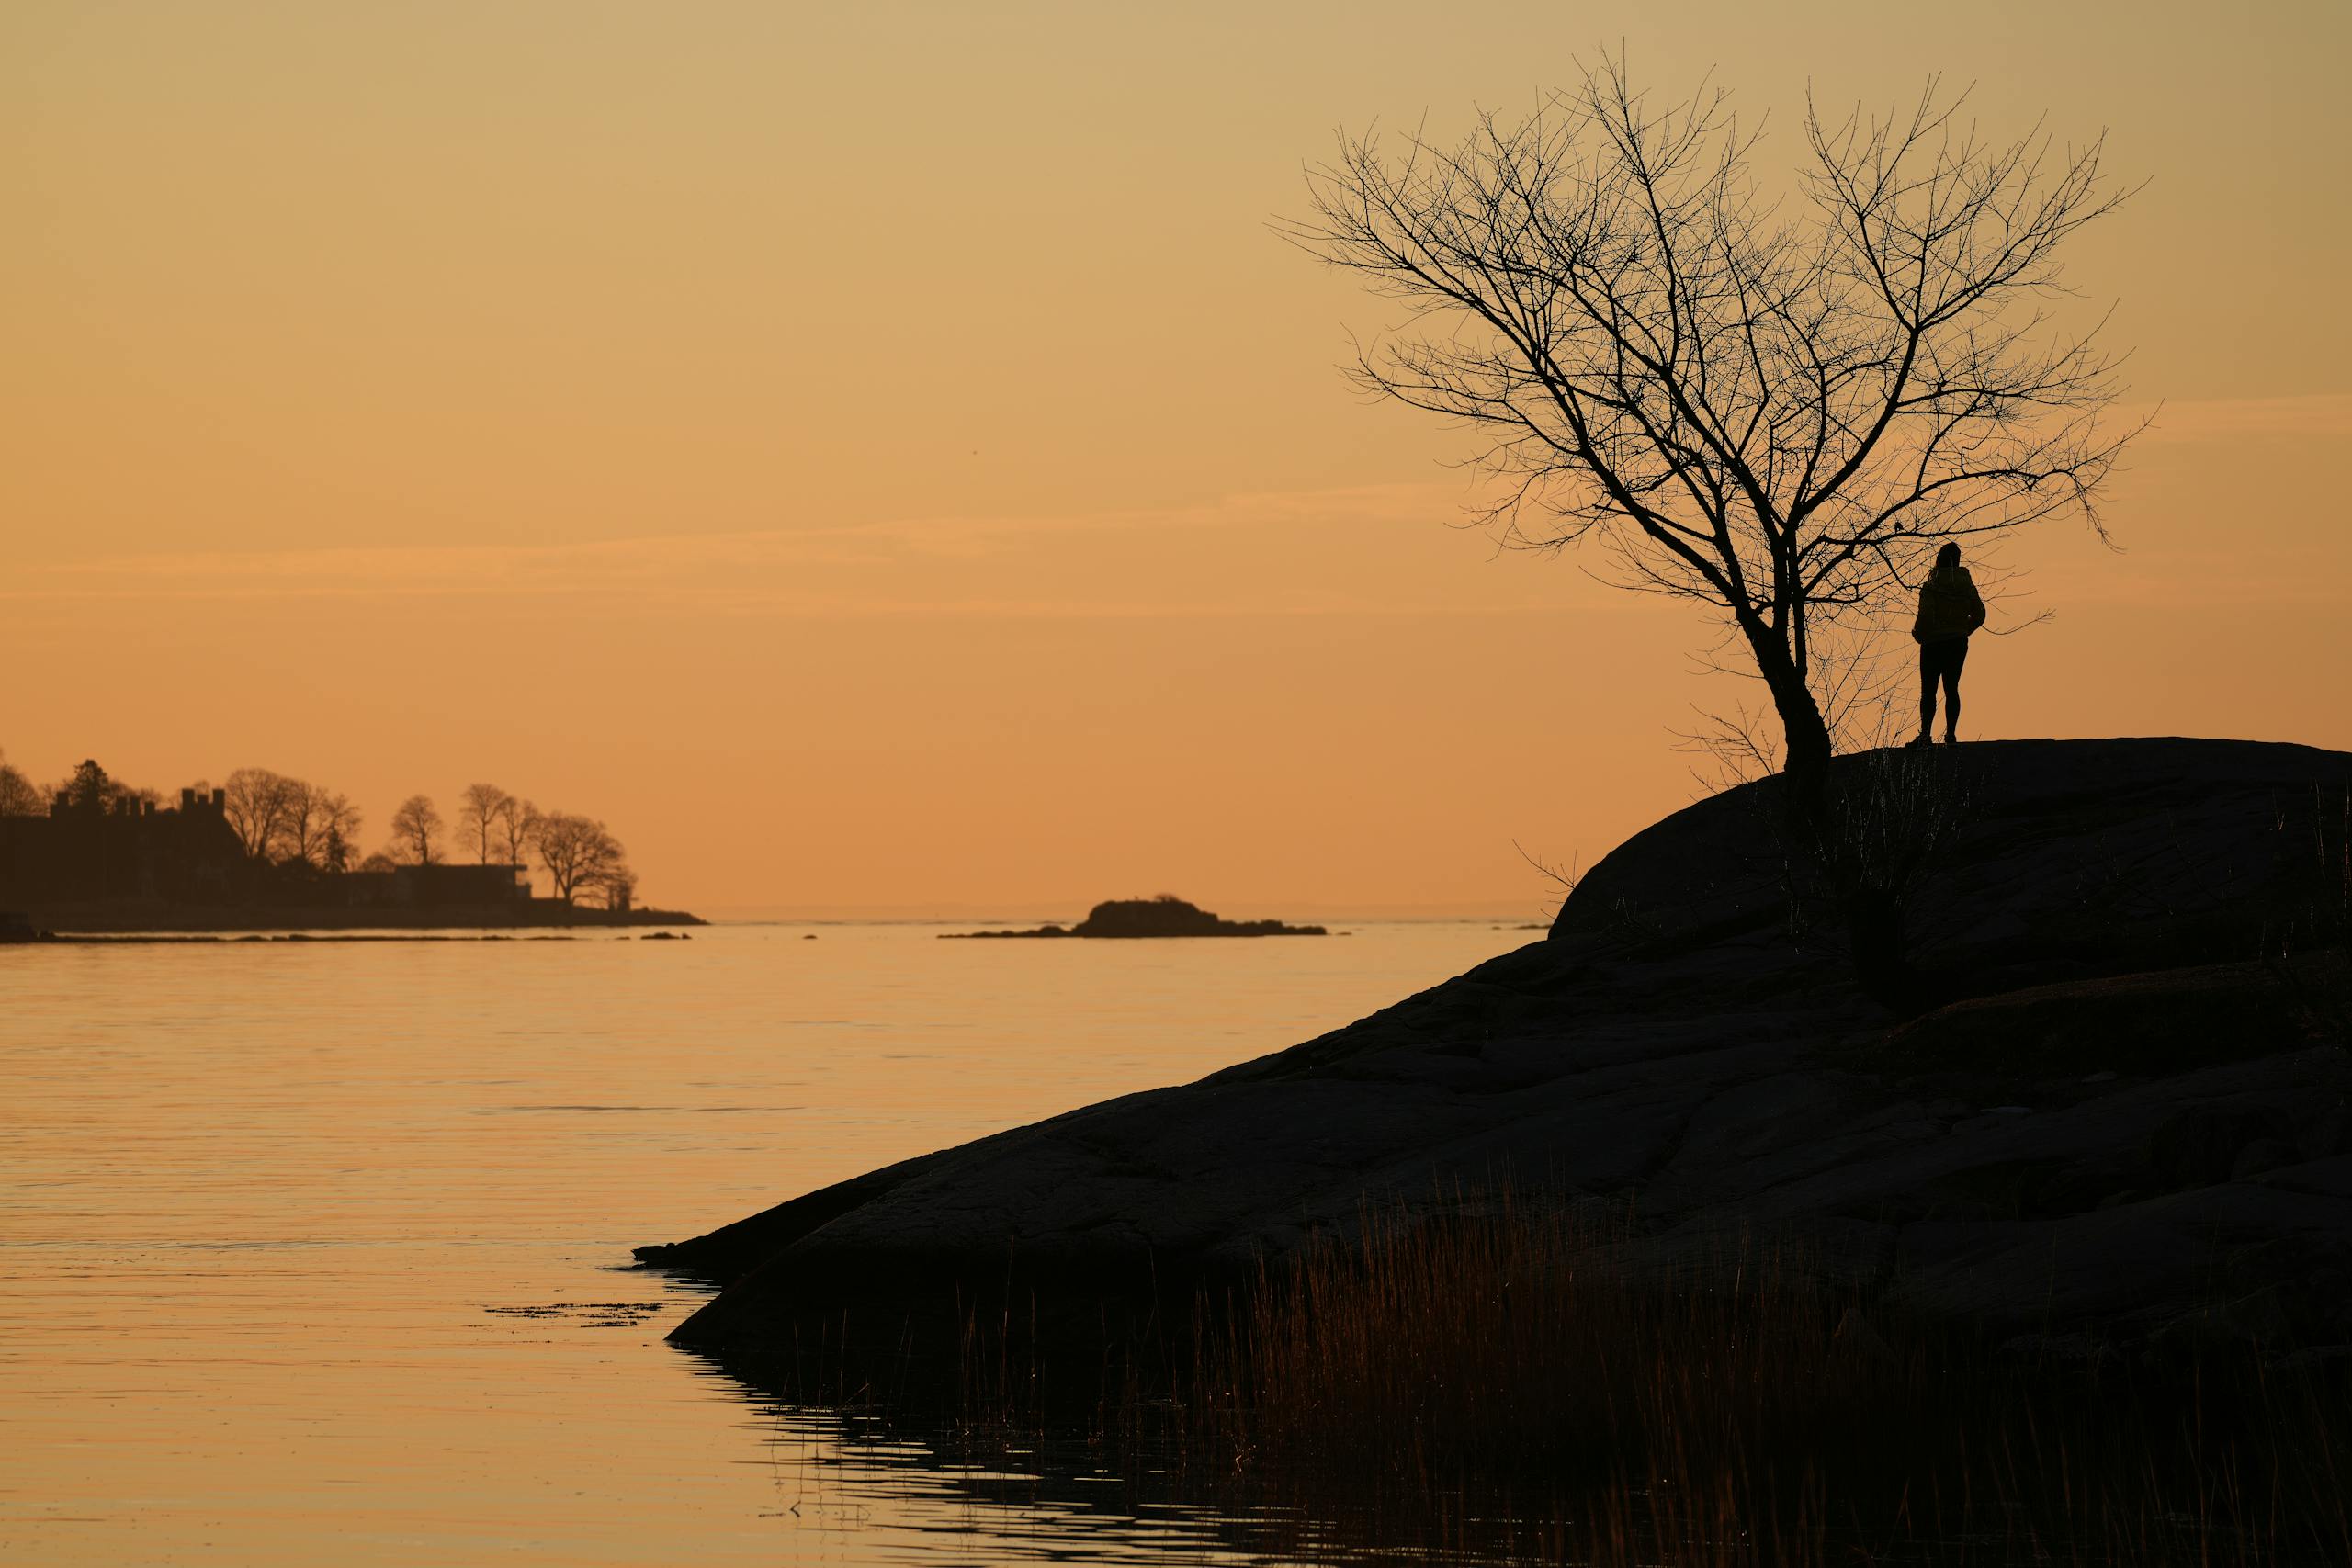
point(2125, 1118)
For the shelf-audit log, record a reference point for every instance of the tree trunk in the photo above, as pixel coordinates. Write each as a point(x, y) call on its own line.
point(1804, 734)
point(1872, 912)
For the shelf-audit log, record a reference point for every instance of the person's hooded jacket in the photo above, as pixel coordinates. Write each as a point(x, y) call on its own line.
point(1948, 606)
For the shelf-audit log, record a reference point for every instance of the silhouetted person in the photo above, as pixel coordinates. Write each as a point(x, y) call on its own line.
point(1949, 610)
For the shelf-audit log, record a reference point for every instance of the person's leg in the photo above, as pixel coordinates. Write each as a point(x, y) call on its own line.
point(1953, 663)
point(1927, 692)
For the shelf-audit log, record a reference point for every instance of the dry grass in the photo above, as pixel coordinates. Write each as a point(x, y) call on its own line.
point(1502, 1386)
point(2317, 848)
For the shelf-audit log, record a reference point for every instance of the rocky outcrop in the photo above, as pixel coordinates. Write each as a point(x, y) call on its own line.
point(2126, 1117)
point(1165, 916)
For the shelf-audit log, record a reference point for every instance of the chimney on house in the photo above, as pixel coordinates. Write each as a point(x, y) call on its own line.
point(187, 802)
point(220, 800)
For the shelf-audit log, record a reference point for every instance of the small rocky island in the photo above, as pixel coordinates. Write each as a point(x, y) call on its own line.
point(1166, 915)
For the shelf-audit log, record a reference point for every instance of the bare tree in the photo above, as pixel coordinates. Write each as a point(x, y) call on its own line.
point(342, 828)
point(260, 806)
point(480, 811)
point(416, 831)
point(580, 854)
point(19, 796)
point(318, 827)
point(518, 828)
point(296, 840)
point(1778, 408)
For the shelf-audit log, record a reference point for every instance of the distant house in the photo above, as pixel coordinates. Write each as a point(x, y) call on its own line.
point(436, 887)
point(124, 849)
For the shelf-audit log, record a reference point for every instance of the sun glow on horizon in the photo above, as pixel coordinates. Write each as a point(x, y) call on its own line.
point(883, 457)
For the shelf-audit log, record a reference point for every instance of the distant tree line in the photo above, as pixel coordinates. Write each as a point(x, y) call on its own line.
point(579, 854)
point(296, 826)
point(288, 821)
point(85, 787)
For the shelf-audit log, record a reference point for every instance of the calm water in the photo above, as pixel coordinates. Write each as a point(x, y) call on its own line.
point(316, 1253)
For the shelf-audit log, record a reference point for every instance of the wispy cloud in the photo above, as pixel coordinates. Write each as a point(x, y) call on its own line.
point(2219, 418)
point(963, 565)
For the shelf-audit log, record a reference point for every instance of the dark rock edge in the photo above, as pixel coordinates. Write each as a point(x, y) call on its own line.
point(2124, 1123)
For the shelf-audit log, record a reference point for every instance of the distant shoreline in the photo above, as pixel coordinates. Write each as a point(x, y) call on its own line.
point(186, 920)
point(190, 939)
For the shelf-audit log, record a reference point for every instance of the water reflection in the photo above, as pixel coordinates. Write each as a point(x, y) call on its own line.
point(882, 1491)
point(316, 1252)
point(1135, 1493)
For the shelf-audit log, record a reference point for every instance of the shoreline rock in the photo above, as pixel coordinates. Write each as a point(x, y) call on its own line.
point(2122, 1117)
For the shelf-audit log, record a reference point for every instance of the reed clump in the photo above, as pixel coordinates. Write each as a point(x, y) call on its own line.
point(1511, 1382)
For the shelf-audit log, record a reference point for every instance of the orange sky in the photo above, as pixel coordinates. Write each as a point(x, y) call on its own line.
point(878, 455)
